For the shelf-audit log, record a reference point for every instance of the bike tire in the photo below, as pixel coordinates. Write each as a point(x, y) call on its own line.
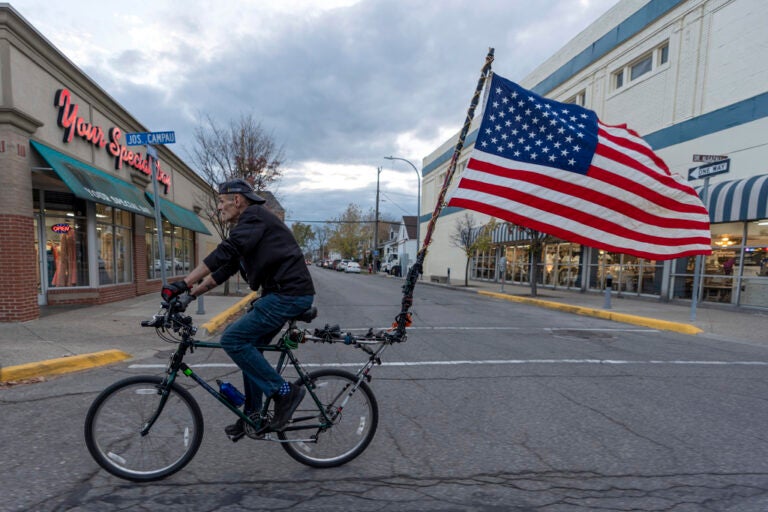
point(117, 415)
point(350, 434)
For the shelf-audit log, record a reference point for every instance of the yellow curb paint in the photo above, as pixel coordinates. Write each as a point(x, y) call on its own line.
point(222, 318)
point(664, 325)
point(62, 365)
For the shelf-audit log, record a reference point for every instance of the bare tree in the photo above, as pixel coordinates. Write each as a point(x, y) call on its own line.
point(304, 237)
point(470, 237)
point(322, 234)
point(242, 149)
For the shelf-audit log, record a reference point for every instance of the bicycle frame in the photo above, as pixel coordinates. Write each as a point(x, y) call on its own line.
point(283, 346)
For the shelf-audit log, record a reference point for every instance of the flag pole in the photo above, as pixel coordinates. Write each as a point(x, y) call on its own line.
point(403, 318)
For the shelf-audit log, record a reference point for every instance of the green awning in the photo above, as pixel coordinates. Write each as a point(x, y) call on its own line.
point(94, 185)
point(180, 216)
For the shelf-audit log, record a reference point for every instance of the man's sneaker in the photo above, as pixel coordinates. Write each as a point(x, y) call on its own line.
point(237, 430)
point(285, 406)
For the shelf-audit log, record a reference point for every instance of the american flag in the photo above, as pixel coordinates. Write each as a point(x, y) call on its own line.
point(555, 167)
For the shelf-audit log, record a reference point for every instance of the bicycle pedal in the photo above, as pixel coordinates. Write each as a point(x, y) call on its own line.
point(236, 437)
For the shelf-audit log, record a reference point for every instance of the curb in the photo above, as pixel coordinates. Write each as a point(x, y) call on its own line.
point(664, 325)
point(62, 365)
point(215, 323)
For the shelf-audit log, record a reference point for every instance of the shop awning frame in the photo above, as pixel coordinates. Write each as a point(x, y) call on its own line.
point(179, 216)
point(89, 183)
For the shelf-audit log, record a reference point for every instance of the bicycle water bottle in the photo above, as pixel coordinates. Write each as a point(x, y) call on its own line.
point(231, 393)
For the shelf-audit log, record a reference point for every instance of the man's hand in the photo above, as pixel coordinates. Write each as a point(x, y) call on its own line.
point(172, 290)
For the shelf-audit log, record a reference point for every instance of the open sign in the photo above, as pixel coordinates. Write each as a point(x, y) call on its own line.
point(61, 228)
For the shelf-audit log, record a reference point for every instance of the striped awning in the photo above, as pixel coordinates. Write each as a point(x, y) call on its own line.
point(505, 232)
point(737, 200)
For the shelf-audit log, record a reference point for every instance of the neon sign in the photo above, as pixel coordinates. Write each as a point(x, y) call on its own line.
point(76, 125)
point(61, 228)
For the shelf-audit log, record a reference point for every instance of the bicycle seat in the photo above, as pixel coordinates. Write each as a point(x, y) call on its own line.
point(306, 316)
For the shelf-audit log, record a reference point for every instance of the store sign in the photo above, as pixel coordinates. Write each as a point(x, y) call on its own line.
point(61, 228)
point(75, 125)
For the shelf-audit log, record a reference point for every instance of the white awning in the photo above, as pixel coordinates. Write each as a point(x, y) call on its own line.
point(737, 200)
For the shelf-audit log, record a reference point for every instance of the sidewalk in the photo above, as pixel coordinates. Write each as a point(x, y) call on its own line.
point(69, 339)
point(72, 338)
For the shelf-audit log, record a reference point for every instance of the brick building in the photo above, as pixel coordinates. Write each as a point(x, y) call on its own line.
point(76, 202)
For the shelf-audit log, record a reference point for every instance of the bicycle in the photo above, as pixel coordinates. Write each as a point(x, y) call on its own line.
point(146, 427)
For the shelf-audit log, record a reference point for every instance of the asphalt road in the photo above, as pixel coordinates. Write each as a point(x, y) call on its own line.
point(488, 406)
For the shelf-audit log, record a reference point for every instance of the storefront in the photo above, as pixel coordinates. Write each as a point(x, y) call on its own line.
point(735, 273)
point(737, 270)
point(75, 200)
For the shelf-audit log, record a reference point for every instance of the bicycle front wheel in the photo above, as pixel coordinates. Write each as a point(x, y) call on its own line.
point(353, 426)
point(116, 418)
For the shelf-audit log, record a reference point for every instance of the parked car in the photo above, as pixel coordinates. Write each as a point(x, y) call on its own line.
point(352, 267)
point(342, 265)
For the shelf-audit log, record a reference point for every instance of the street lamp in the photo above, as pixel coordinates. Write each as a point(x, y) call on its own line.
point(418, 205)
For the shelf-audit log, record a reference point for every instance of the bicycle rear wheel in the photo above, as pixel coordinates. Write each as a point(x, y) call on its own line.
point(115, 419)
point(352, 430)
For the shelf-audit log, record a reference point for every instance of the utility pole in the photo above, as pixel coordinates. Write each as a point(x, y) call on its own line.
point(376, 225)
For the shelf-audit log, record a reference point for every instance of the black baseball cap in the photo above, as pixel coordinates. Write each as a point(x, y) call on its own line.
point(240, 186)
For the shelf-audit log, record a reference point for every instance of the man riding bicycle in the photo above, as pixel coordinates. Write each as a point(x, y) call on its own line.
point(264, 248)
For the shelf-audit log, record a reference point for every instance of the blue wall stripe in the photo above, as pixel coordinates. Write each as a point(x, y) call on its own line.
point(447, 155)
point(620, 33)
point(735, 114)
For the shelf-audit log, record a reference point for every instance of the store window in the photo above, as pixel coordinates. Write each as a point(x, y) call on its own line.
point(578, 99)
point(720, 279)
point(754, 271)
point(65, 238)
point(518, 263)
point(641, 66)
point(663, 53)
point(629, 274)
point(484, 265)
point(114, 235)
point(178, 245)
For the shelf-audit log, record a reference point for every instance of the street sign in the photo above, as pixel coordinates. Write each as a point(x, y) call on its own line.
point(146, 138)
point(710, 169)
point(709, 158)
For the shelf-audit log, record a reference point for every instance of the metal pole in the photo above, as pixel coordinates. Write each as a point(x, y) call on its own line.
point(201, 305)
point(158, 220)
point(376, 225)
point(608, 290)
point(699, 260)
point(403, 317)
point(418, 201)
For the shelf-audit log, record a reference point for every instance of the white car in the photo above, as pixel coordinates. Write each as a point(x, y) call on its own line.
point(352, 267)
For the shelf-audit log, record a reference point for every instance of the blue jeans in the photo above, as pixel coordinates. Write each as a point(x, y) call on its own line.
point(257, 328)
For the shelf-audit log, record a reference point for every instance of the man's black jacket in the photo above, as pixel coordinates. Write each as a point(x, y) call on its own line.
point(269, 254)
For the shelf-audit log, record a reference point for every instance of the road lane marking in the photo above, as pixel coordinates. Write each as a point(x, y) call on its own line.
point(444, 328)
point(496, 362)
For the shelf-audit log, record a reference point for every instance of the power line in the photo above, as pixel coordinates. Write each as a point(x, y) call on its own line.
point(341, 221)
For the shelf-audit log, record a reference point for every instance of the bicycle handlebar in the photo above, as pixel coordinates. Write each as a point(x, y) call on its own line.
point(171, 319)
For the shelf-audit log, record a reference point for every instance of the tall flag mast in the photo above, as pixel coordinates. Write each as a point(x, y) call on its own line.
point(403, 318)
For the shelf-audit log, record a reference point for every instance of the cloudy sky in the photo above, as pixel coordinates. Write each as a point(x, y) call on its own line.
point(339, 83)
